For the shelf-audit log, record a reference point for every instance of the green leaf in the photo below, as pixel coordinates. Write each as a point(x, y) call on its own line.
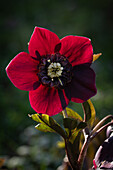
point(55, 126)
point(74, 135)
point(81, 125)
point(89, 112)
point(76, 131)
point(35, 117)
point(72, 114)
point(73, 127)
point(70, 123)
point(47, 122)
point(45, 118)
point(44, 128)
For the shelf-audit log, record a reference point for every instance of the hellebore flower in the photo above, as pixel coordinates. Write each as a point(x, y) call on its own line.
point(104, 155)
point(55, 71)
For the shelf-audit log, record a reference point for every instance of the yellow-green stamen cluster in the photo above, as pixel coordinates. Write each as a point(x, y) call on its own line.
point(55, 70)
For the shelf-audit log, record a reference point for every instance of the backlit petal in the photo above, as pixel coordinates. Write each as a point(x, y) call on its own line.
point(46, 100)
point(43, 41)
point(22, 71)
point(77, 49)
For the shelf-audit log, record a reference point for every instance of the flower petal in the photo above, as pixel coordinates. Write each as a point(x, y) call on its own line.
point(104, 155)
point(43, 41)
point(77, 49)
point(46, 100)
point(22, 71)
point(83, 84)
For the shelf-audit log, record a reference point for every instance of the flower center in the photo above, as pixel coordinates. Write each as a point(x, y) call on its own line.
point(55, 70)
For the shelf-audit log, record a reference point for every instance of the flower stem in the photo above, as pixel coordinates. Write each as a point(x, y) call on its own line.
point(71, 156)
point(83, 151)
point(101, 123)
point(99, 130)
point(65, 113)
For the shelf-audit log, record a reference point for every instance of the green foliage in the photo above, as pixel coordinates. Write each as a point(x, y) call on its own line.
point(47, 124)
point(70, 123)
point(73, 127)
point(73, 124)
point(77, 130)
point(89, 112)
point(72, 114)
point(81, 125)
point(44, 128)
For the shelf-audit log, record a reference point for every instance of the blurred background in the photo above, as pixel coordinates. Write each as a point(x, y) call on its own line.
point(22, 146)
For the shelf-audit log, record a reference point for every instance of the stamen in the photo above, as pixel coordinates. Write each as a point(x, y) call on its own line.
point(48, 60)
point(60, 82)
point(55, 70)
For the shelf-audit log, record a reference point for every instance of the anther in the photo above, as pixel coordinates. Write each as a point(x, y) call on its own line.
point(60, 82)
point(48, 60)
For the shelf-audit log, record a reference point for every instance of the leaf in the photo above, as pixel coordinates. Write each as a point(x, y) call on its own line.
point(74, 135)
point(44, 128)
point(81, 125)
point(70, 123)
point(76, 131)
point(96, 56)
point(45, 118)
point(47, 122)
point(35, 117)
point(55, 126)
point(73, 127)
point(72, 114)
point(89, 112)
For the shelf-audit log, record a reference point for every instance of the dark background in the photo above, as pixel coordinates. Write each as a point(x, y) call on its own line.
point(21, 145)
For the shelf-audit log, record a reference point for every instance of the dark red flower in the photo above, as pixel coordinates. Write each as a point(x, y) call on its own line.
point(55, 71)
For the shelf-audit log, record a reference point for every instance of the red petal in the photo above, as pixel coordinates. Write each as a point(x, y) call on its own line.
point(83, 84)
point(45, 100)
point(77, 49)
point(22, 71)
point(43, 41)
